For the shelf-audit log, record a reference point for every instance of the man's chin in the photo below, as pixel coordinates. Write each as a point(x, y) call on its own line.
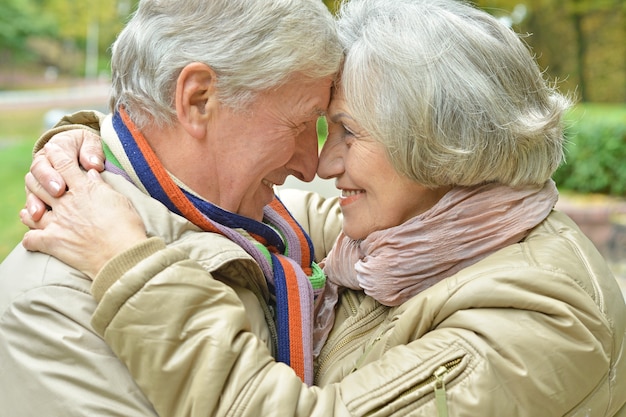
point(253, 207)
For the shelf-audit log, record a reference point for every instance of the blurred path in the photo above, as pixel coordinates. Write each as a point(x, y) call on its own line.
point(72, 96)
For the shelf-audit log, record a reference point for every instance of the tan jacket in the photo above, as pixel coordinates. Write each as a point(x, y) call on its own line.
point(536, 329)
point(52, 362)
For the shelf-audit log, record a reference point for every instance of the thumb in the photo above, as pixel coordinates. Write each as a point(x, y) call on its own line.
point(34, 240)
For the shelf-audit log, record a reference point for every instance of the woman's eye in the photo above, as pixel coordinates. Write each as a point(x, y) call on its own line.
point(347, 131)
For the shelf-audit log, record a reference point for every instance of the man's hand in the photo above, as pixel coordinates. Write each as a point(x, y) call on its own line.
point(80, 144)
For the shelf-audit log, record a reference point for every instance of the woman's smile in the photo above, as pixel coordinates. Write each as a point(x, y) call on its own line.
point(349, 196)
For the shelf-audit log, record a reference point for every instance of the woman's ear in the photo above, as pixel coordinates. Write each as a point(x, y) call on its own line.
point(196, 98)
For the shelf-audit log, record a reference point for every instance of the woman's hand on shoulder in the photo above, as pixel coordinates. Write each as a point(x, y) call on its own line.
point(88, 224)
point(80, 144)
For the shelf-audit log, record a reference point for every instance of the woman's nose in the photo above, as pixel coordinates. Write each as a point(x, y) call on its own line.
point(330, 163)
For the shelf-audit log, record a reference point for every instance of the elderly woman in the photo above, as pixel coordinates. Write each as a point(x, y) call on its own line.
point(213, 102)
point(454, 288)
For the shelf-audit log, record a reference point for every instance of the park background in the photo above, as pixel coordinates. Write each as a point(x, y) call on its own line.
point(55, 56)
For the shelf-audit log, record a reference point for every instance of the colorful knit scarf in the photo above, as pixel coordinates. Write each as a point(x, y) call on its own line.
point(279, 245)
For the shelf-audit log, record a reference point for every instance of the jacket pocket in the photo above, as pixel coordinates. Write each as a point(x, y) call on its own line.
point(426, 387)
point(440, 373)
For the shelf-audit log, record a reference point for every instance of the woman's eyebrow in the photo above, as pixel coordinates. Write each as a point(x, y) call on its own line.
point(338, 116)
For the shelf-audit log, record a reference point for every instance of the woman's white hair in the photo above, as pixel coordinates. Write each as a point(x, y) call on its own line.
point(454, 95)
point(252, 45)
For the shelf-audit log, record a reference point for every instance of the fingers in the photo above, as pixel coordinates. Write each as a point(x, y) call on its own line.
point(66, 166)
point(35, 207)
point(87, 225)
point(36, 238)
point(94, 175)
point(91, 155)
point(83, 143)
point(29, 222)
point(46, 175)
point(37, 195)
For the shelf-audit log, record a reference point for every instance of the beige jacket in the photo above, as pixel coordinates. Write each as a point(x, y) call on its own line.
point(536, 329)
point(52, 362)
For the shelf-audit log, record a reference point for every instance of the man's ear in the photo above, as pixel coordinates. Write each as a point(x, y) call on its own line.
point(196, 98)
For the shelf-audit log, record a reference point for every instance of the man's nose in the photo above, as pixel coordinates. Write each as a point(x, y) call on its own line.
point(305, 158)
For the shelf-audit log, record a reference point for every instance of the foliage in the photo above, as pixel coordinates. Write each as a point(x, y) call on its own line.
point(20, 19)
point(333, 5)
point(60, 33)
point(595, 151)
point(74, 18)
point(581, 43)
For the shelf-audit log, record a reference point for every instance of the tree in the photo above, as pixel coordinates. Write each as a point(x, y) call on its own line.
point(90, 25)
point(580, 43)
point(19, 20)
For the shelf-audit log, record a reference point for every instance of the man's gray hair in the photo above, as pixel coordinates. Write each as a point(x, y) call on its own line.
point(454, 95)
point(252, 45)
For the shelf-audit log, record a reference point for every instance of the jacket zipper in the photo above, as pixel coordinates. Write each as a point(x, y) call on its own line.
point(338, 347)
point(364, 355)
point(351, 337)
point(439, 389)
point(347, 341)
point(351, 304)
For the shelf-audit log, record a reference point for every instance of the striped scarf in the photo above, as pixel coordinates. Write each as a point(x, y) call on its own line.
point(279, 245)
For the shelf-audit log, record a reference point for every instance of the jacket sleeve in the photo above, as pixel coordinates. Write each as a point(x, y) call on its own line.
point(320, 217)
point(86, 119)
point(52, 363)
point(186, 340)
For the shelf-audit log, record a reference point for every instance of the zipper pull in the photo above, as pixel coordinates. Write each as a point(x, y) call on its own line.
point(440, 392)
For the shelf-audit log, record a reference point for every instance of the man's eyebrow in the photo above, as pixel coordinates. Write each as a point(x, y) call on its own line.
point(317, 111)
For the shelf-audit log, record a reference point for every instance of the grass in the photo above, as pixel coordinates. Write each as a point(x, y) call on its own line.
point(20, 129)
point(610, 112)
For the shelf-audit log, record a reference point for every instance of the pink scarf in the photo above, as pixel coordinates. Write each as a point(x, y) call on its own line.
point(466, 225)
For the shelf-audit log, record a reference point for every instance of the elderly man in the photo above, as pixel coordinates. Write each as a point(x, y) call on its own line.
point(213, 104)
